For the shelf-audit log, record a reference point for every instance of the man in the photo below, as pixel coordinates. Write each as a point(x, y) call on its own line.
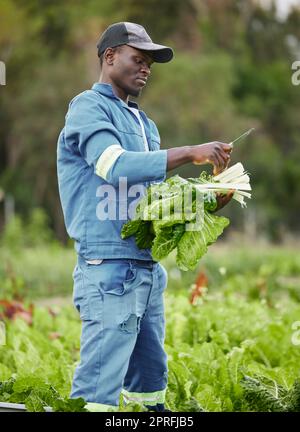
point(106, 147)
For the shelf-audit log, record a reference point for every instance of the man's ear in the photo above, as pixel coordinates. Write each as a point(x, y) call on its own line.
point(109, 56)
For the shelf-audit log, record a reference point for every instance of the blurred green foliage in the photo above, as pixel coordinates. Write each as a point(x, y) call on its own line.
point(231, 71)
point(34, 232)
point(255, 272)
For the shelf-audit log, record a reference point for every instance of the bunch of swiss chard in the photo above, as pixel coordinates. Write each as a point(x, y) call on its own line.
point(178, 214)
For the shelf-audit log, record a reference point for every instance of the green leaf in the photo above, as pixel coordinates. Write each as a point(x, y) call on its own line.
point(166, 240)
point(70, 405)
point(25, 383)
point(260, 397)
point(193, 244)
point(7, 386)
point(34, 404)
point(293, 402)
point(144, 237)
point(130, 228)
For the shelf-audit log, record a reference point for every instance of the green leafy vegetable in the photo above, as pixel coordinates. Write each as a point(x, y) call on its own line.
point(265, 394)
point(177, 213)
point(37, 394)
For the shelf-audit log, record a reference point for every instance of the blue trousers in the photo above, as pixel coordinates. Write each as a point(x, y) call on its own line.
point(121, 306)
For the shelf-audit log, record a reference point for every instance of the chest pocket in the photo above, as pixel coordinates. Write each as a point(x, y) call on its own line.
point(126, 128)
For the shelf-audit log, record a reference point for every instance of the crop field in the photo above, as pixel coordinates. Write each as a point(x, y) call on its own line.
point(232, 331)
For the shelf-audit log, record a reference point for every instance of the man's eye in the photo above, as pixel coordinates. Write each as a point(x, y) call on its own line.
point(140, 61)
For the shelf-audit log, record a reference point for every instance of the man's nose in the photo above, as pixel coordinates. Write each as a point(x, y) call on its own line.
point(146, 69)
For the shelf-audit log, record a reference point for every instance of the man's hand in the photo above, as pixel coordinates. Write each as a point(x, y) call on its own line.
point(223, 199)
point(215, 153)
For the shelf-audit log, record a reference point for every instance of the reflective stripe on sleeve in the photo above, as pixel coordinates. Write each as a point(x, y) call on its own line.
point(107, 159)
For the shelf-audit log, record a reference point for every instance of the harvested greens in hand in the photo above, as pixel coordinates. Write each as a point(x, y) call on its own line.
point(178, 213)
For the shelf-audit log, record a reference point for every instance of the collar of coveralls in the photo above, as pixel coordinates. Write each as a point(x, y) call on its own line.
point(107, 90)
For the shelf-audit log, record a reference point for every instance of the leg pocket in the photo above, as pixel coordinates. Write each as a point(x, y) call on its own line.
point(157, 294)
point(117, 277)
point(79, 296)
point(87, 299)
point(163, 277)
point(95, 304)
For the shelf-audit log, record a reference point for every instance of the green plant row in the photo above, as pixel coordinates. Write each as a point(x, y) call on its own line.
point(225, 354)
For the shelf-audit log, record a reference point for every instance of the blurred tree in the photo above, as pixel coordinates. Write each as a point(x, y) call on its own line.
point(160, 18)
point(232, 71)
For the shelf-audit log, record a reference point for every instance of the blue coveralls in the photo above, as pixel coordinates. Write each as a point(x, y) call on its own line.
point(120, 300)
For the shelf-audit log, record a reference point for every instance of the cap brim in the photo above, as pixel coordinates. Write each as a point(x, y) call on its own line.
point(159, 53)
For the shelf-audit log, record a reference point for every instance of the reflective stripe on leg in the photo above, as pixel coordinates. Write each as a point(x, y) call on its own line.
point(97, 407)
point(145, 398)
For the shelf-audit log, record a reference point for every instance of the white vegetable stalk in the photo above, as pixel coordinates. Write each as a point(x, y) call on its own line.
point(234, 178)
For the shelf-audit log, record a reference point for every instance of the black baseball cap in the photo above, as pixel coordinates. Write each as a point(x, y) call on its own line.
point(134, 35)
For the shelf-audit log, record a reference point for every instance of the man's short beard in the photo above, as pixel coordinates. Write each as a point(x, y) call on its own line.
point(134, 93)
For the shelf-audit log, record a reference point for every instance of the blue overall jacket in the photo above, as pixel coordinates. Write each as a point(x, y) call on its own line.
point(99, 126)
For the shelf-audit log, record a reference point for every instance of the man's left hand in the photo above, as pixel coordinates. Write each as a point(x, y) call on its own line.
point(223, 199)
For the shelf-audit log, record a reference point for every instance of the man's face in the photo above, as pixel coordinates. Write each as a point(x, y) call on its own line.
point(130, 70)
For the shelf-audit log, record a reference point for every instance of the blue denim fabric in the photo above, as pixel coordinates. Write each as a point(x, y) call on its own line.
point(121, 306)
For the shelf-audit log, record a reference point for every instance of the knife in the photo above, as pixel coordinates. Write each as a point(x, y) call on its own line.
point(243, 135)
